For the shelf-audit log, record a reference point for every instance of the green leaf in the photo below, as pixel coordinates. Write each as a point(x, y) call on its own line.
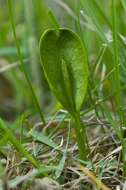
point(124, 4)
point(64, 60)
point(43, 139)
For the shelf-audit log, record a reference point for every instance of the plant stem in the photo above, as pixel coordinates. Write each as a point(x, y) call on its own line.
point(81, 138)
point(31, 40)
point(22, 64)
point(118, 97)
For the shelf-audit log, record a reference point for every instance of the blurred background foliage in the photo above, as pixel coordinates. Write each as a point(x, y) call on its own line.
point(92, 22)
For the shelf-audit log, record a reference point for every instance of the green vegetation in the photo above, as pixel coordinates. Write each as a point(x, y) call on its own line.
point(76, 51)
point(65, 64)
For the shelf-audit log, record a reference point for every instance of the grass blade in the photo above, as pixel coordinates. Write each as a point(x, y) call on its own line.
point(22, 64)
point(43, 139)
point(116, 59)
point(124, 4)
point(60, 167)
point(17, 145)
point(54, 21)
point(87, 5)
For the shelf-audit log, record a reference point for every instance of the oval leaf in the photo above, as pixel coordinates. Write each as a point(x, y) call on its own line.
point(64, 61)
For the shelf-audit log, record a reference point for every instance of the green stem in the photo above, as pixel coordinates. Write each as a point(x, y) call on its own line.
point(22, 64)
point(81, 138)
